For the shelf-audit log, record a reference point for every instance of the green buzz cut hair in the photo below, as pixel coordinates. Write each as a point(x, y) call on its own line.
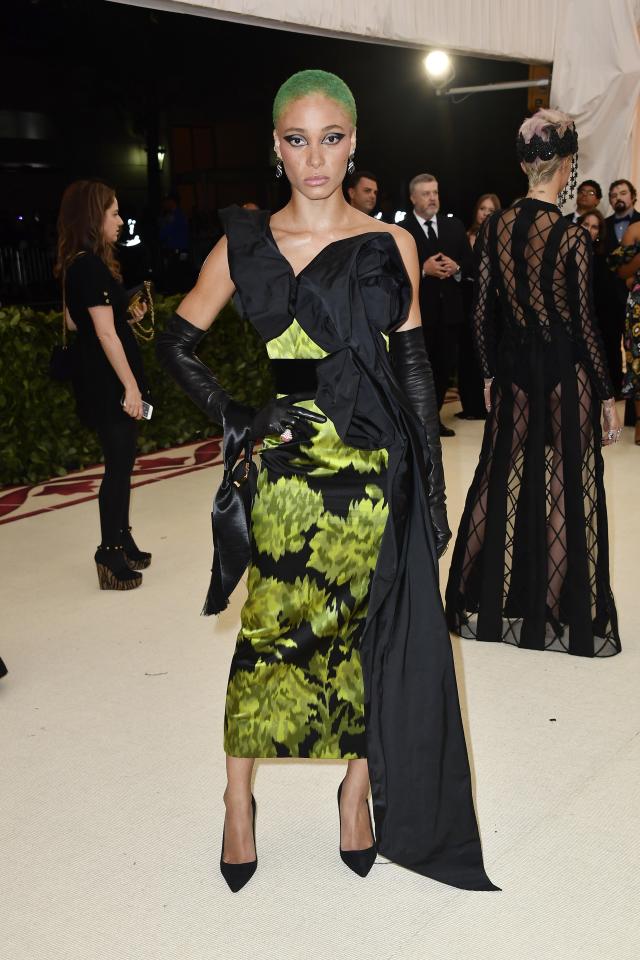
point(307, 82)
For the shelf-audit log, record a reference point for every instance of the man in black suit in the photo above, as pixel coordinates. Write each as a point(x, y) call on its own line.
point(445, 257)
point(588, 197)
point(362, 191)
point(622, 197)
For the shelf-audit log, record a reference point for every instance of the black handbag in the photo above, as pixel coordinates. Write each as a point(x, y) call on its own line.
point(231, 522)
point(63, 362)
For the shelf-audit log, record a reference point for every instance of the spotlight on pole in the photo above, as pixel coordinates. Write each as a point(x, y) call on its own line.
point(439, 67)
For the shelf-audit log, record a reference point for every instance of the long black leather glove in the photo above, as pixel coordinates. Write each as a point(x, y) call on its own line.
point(413, 372)
point(176, 347)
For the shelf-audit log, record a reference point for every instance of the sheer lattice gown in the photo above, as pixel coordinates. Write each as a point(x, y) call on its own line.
point(531, 560)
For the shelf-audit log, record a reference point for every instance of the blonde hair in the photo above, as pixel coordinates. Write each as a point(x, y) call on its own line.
point(541, 125)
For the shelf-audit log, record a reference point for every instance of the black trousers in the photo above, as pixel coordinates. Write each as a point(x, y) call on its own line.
point(442, 342)
point(118, 439)
point(470, 379)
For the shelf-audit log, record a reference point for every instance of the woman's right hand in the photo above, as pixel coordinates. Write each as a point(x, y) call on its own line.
point(133, 402)
point(611, 426)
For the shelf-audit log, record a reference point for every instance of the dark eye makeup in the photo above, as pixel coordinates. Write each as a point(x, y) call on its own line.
point(297, 140)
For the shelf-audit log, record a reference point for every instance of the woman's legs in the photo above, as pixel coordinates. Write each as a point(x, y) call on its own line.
point(238, 822)
point(118, 441)
point(355, 833)
point(238, 829)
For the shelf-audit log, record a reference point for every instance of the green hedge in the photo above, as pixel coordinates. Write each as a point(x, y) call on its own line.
point(41, 436)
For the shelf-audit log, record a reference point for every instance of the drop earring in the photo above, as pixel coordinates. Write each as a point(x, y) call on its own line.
point(568, 191)
point(573, 179)
point(351, 166)
point(279, 169)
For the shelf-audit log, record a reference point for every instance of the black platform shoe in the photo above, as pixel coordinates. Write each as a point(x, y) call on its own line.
point(114, 573)
point(239, 874)
point(360, 861)
point(137, 559)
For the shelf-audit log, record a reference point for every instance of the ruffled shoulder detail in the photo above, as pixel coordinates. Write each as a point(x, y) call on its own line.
point(384, 283)
point(261, 277)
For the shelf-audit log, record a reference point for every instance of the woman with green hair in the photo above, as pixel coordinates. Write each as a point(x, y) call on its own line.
point(343, 651)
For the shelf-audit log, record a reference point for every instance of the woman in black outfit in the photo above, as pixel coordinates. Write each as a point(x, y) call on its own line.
point(343, 652)
point(531, 561)
point(109, 382)
point(470, 384)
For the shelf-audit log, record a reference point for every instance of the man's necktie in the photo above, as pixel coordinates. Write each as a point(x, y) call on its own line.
point(433, 236)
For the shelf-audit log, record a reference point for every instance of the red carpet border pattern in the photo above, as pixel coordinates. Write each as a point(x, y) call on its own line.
point(16, 503)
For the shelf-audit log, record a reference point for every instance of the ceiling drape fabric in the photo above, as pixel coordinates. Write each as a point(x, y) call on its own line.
point(517, 29)
point(593, 45)
point(596, 78)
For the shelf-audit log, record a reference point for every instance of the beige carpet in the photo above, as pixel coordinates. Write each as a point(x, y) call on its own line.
point(112, 770)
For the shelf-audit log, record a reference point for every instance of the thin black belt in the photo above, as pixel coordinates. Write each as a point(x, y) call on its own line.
point(295, 376)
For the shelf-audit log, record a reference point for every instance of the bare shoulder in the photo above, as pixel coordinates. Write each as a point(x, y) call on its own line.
point(404, 241)
point(401, 236)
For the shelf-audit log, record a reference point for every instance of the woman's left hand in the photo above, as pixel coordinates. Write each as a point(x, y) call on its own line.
point(137, 312)
point(487, 394)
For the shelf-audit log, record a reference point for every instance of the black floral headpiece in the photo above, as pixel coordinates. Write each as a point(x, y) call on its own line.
point(555, 146)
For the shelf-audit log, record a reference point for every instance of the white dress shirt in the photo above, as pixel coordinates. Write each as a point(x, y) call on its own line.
point(433, 221)
point(424, 223)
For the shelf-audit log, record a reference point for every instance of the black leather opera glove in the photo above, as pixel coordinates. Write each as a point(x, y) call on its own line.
point(413, 371)
point(176, 347)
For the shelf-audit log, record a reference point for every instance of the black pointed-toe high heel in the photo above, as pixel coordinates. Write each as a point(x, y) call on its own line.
point(360, 861)
point(114, 573)
point(239, 874)
point(137, 559)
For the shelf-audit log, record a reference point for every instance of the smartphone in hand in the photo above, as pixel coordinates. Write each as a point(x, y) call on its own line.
point(147, 408)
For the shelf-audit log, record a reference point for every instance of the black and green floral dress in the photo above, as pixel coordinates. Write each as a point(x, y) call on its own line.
point(631, 381)
point(318, 518)
point(343, 649)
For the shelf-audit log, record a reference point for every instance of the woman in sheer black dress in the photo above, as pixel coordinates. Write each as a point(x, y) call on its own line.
point(531, 561)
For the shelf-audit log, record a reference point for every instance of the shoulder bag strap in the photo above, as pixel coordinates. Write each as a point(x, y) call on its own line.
point(64, 308)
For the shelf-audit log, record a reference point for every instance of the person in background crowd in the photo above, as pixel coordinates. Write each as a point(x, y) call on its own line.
point(110, 382)
point(487, 204)
point(531, 565)
point(470, 382)
point(593, 222)
point(445, 258)
point(250, 205)
point(588, 197)
point(622, 197)
point(174, 243)
point(362, 191)
point(626, 259)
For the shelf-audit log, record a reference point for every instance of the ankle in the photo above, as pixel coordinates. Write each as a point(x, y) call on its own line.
point(354, 790)
point(113, 551)
point(237, 797)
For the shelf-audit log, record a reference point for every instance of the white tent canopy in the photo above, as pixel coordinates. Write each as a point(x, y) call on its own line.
point(593, 44)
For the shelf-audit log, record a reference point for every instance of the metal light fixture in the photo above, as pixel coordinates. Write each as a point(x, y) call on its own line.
point(439, 67)
point(161, 156)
